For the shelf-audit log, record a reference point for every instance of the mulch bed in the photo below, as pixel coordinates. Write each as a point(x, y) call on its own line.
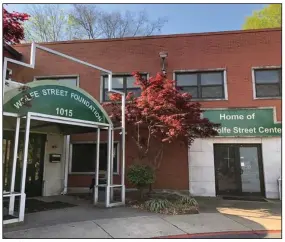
point(34, 205)
point(133, 200)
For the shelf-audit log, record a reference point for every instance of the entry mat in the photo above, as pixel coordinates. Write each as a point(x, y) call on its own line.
point(254, 199)
point(35, 205)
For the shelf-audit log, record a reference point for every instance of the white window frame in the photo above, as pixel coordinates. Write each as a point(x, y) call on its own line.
point(92, 173)
point(224, 70)
point(116, 74)
point(37, 78)
point(253, 69)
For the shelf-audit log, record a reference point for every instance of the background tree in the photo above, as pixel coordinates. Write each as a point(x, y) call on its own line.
point(51, 22)
point(161, 114)
point(85, 19)
point(128, 24)
point(268, 17)
point(13, 31)
point(48, 23)
point(96, 23)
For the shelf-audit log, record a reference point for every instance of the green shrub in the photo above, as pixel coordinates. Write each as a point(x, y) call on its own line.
point(156, 205)
point(140, 176)
point(186, 200)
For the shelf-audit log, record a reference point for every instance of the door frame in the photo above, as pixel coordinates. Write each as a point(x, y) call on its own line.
point(238, 169)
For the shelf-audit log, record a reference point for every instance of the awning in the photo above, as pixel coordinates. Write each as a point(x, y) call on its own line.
point(51, 98)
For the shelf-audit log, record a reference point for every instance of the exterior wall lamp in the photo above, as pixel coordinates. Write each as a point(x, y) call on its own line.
point(163, 55)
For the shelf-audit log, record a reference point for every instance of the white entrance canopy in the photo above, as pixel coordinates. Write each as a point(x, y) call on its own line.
point(47, 107)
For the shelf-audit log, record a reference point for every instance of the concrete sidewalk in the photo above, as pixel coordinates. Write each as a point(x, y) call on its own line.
point(87, 221)
point(142, 227)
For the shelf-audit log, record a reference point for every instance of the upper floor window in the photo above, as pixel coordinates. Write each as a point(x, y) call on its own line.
point(123, 83)
point(202, 85)
point(267, 82)
point(65, 80)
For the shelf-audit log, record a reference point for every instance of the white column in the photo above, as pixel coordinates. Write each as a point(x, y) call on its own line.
point(96, 190)
point(112, 165)
point(123, 149)
point(66, 156)
point(15, 156)
point(107, 200)
point(24, 169)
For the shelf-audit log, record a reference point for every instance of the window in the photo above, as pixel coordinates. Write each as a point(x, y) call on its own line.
point(84, 157)
point(267, 82)
point(202, 85)
point(8, 74)
point(68, 80)
point(123, 83)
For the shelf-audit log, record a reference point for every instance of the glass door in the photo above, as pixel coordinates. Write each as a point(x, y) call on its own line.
point(226, 170)
point(238, 169)
point(250, 169)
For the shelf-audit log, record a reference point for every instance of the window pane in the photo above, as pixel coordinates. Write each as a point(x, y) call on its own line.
point(130, 81)
point(212, 78)
point(117, 82)
point(192, 90)
point(267, 76)
point(83, 157)
point(135, 91)
point(212, 92)
point(103, 156)
point(131, 87)
point(263, 90)
point(68, 81)
point(88, 151)
point(186, 79)
point(106, 93)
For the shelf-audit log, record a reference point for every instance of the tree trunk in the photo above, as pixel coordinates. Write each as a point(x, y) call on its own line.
point(150, 188)
point(141, 192)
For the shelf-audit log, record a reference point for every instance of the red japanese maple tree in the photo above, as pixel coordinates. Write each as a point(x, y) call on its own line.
point(160, 114)
point(13, 30)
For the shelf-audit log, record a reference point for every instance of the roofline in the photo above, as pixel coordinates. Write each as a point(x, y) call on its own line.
point(156, 36)
point(12, 51)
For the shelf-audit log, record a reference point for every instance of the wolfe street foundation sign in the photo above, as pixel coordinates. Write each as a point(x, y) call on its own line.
point(245, 122)
point(54, 99)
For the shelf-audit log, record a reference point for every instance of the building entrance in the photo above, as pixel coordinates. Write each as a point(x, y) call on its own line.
point(238, 169)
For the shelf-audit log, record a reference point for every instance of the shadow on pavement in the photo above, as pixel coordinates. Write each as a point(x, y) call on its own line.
point(229, 235)
point(257, 216)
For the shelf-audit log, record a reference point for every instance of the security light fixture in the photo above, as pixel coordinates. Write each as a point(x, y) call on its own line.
point(163, 55)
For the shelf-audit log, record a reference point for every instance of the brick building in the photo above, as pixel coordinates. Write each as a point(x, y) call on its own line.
point(236, 75)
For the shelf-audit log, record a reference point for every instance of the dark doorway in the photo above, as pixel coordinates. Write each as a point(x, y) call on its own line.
point(34, 175)
point(238, 169)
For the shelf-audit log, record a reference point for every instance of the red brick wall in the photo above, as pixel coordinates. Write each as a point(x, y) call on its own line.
point(237, 52)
